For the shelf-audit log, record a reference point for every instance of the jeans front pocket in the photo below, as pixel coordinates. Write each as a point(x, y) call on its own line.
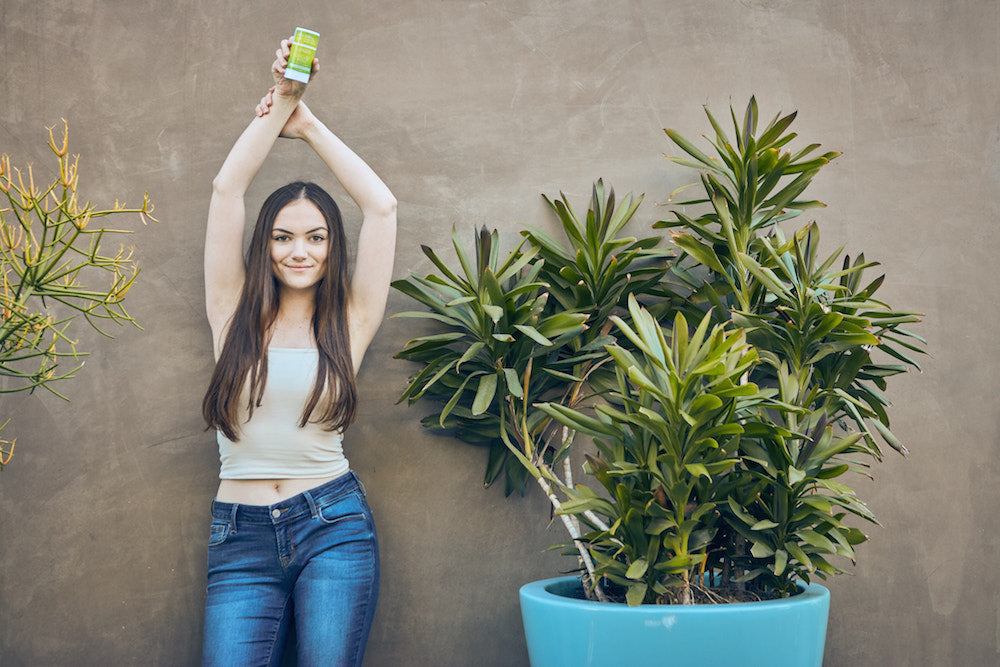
point(348, 507)
point(219, 534)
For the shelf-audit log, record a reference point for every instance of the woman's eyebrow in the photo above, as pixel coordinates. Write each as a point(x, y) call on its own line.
point(285, 231)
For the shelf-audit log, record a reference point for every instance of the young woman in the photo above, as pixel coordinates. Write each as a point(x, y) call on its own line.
point(292, 537)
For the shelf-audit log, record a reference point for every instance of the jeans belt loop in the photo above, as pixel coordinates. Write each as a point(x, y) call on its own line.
point(312, 504)
point(361, 485)
point(232, 518)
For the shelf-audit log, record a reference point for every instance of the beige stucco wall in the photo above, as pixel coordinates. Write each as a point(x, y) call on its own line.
point(469, 111)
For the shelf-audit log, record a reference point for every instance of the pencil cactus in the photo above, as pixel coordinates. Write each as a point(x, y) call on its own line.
point(54, 268)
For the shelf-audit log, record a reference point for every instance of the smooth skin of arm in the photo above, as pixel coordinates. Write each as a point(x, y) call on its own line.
point(224, 270)
point(376, 240)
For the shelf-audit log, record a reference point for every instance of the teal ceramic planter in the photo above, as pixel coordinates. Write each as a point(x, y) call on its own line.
point(564, 631)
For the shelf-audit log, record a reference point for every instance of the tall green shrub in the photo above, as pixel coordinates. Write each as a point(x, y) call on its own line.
point(816, 410)
point(524, 330)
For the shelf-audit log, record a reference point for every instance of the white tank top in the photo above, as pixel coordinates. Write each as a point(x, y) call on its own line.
point(272, 445)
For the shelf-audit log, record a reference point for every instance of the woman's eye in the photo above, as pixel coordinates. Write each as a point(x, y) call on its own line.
point(280, 238)
point(319, 239)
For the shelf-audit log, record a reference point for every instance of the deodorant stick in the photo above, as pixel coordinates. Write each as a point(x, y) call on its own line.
point(301, 54)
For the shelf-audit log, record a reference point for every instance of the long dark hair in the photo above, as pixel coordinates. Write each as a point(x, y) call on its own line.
point(244, 352)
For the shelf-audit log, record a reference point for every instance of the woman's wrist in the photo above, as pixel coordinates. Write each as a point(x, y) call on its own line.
point(284, 101)
point(312, 129)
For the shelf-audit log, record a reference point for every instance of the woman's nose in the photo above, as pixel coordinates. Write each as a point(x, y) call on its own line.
point(299, 249)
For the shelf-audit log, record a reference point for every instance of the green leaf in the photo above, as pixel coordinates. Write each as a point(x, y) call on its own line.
point(431, 316)
point(818, 502)
point(637, 569)
point(813, 538)
point(514, 263)
point(513, 383)
point(738, 511)
point(438, 338)
point(443, 268)
point(636, 594)
point(561, 375)
point(835, 471)
point(657, 526)
point(765, 276)
point(453, 401)
point(891, 439)
point(698, 470)
point(700, 251)
point(484, 394)
point(795, 475)
point(855, 536)
point(780, 561)
point(704, 403)
point(774, 131)
point(532, 333)
point(560, 323)
point(579, 421)
point(796, 552)
point(473, 350)
point(463, 259)
point(691, 150)
point(437, 376)
point(495, 312)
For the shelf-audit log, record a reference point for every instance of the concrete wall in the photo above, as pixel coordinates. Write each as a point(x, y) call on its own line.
point(471, 110)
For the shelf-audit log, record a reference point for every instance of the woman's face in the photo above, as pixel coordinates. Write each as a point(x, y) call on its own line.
point(299, 245)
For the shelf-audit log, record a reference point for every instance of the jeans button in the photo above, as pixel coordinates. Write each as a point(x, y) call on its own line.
point(275, 513)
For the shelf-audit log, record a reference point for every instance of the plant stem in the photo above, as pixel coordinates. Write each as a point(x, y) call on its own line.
point(574, 533)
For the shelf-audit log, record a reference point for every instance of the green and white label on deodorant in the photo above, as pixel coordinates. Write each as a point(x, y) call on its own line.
point(301, 54)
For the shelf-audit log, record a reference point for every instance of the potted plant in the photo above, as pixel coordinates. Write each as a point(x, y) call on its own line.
point(720, 444)
point(50, 255)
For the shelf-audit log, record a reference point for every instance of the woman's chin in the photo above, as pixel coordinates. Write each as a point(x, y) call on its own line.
point(298, 282)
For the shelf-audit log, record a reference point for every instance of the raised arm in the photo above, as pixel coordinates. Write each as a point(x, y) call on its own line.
point(224, 270)
point(376, 241)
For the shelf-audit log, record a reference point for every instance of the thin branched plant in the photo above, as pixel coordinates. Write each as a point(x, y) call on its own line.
point(55, 267)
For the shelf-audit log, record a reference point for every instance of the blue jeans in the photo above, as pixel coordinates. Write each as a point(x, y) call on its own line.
point(311, 560)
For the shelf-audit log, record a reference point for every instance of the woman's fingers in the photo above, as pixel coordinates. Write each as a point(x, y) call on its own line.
point(264, 107)
point(281, 57)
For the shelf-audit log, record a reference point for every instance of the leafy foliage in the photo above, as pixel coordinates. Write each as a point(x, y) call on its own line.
point(666, 439)
point(494, 326)
point(719, 446)
point(516, 332)
point(49, 253)
point(815, 324)
point(817, 409)
point(813, 320)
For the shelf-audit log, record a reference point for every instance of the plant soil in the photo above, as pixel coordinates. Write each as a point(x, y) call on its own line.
point(715, 595)
point(699, 595)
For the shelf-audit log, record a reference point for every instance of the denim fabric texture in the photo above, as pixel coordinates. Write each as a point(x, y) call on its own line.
point(311, 560)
